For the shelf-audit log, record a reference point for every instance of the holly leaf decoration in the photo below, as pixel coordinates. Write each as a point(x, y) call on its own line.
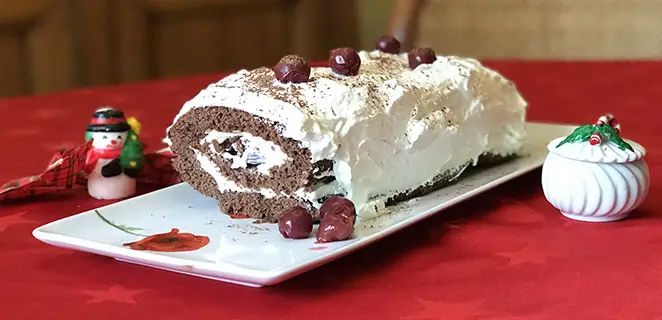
point(614, 137)
point(582, 133)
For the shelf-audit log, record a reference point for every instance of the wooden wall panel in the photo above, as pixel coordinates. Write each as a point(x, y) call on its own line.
point(53, 45)
point(50, 48)
point(36, 47)
point(131, 40)
point(543, 29)
point(217, 39)
point(172, 38)
point(94, 35)
point(13, 79)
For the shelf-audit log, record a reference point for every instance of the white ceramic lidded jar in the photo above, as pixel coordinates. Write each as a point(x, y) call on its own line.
point(595, 175)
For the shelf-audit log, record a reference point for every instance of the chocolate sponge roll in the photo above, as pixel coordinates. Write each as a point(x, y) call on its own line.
point(229, 167)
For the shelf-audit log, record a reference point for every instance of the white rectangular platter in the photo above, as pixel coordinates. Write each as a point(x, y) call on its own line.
point(250, 254)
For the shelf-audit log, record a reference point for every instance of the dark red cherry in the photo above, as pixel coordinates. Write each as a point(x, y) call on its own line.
point(337, 205)
point(295, 223)
point(421, 56)
point(388, 44)
point(292, 68)
point(344, 61)
point(335, 227)
point(338, 216)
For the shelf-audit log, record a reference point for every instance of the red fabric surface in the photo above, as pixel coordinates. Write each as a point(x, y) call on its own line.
point(506, 254)
point(69, 169)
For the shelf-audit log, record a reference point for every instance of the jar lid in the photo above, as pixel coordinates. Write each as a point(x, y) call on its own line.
point(599, 142)
point(607, 152)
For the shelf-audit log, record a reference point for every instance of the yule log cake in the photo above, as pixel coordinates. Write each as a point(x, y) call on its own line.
point(374, 127)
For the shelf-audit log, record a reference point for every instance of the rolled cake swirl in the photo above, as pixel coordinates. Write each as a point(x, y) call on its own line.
point(394, 127)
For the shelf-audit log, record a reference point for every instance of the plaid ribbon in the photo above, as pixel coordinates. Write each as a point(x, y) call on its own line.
point(67, 171)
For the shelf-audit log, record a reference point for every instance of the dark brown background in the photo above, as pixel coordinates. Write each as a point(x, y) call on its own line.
point(53, 45)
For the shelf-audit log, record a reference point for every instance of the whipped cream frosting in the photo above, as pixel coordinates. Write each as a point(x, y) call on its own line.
point(222, 182)
point(389, 129)
point(263, 154)
point(606, 152)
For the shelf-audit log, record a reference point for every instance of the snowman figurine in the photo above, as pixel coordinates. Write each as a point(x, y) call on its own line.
point(116, 156)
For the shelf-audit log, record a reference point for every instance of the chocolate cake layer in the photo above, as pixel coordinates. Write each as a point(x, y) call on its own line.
point(256, 206)
point(437, 183)
point(296, 173)
point(489, 159)
point(445, 179)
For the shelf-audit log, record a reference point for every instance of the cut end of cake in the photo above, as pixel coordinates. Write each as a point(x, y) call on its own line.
point(240, 160)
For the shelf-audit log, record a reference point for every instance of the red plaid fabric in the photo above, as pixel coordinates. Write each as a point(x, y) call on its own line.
point(158, 169)
point(67, 171)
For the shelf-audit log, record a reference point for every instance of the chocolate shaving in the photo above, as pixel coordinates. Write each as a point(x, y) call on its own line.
point(239, 146)
point(217, 146)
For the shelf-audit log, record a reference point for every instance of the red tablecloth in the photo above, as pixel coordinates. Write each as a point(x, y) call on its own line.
point(506, 254)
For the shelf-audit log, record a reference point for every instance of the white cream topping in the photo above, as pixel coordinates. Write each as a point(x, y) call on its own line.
point(606, 152)
point(225, 184)
point(258, 152)
point(388, 129)
point(222, 182)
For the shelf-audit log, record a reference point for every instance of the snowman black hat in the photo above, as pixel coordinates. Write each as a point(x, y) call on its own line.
point(108, 120)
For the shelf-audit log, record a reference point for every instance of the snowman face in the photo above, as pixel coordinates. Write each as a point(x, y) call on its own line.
point(108, 140)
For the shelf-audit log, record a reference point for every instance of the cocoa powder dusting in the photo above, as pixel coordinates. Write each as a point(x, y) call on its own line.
point(263, 81)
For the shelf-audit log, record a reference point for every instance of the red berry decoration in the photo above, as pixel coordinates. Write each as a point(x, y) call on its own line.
point(292, 68)
point(595, 139)
point(338, 216)
point(421, 56)
point(609, 120)
point(388, 44)
point(615, 124)
point(344, 61)
point(295, 223)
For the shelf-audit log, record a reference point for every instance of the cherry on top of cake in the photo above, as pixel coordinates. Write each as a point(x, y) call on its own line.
point(355, 84)
point(347, 62)
point(348, 67)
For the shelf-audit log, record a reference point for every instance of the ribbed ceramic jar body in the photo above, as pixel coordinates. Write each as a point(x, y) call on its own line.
point(594, 191)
